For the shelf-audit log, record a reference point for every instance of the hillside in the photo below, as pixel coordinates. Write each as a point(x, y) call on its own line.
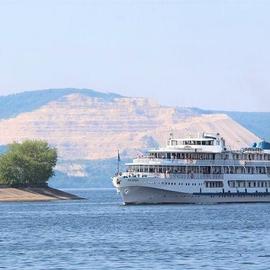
point(13, 105)
point(257, 122)
point(86, 127)
point(89, 127)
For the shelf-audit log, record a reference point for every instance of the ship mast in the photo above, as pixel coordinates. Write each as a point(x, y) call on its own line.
point(118, 161)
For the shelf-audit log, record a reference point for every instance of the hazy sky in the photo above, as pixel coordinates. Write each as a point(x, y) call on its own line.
point(209, 54)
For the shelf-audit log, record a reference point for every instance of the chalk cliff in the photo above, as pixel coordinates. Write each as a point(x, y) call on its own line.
point(85, 127)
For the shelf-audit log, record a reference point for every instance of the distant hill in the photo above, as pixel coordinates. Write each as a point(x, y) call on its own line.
point(85, 124)
point(257, 122)
point(13, 105)
point(88, 127)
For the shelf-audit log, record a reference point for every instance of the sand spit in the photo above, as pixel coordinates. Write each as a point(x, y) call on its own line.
point(34, 194)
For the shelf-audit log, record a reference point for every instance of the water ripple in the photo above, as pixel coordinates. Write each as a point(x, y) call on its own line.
point(99, 233)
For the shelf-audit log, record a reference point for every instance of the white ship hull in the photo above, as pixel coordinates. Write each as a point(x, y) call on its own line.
point(198, 171)
point(146, 195)
point(142, 191)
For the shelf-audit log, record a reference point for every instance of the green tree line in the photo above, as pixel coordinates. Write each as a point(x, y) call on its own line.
point(30, 163)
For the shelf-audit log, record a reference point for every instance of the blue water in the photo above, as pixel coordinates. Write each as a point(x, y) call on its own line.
point(100, 233)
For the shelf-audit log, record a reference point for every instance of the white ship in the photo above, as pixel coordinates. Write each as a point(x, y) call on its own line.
point(197, 170)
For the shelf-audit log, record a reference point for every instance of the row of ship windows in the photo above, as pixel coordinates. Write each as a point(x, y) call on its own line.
point(248, 184)
point(207, 184)
point(180, 184)
point(219, 184)
point(213, 184)
point(229, 194)
point(199, 169)
point(208, 142)
point(161, 155)
point(210, 156)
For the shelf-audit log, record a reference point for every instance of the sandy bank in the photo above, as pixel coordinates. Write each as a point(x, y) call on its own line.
point(34, 194)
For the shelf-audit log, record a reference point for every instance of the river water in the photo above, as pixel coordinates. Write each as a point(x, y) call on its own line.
point(100, 233)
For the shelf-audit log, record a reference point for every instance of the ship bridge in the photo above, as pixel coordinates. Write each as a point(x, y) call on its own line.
point(204, 143)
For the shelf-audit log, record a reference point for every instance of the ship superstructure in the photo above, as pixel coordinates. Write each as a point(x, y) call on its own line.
point(197, 170)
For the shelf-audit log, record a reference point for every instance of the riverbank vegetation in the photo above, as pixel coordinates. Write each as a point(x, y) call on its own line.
point(27, 164)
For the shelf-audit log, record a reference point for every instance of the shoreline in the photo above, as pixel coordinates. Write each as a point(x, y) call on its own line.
point(34, 194)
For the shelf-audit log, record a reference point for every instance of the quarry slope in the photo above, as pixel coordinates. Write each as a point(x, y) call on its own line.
point(85, 127)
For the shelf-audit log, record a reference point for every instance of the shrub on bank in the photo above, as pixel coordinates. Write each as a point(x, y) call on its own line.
point(29, 163)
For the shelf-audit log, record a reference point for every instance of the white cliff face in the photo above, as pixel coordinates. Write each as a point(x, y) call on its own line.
point(83, 127)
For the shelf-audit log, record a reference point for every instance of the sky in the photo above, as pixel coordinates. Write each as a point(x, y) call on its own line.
point(208, 54)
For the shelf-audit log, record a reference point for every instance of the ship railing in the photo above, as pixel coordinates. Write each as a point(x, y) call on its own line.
point(194, 176)
point(257, 163)
point(173, 175)
point(188, 162)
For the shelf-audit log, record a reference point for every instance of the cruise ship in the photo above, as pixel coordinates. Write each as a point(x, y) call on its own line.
point(199, 170)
